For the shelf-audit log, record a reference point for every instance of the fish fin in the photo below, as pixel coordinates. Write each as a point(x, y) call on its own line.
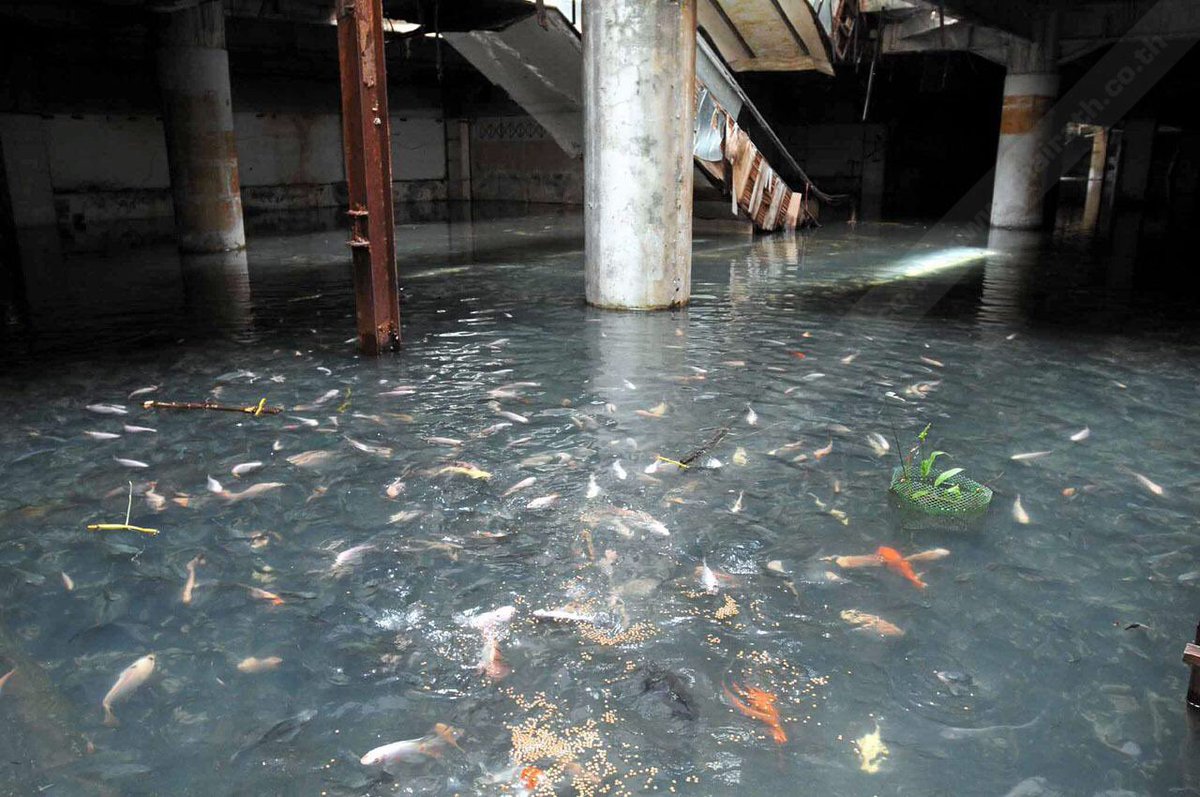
point(110, 719)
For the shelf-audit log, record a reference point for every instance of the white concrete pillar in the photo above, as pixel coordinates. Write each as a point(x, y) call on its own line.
point(639, 68)
point(193, 76)
point(1022, 160)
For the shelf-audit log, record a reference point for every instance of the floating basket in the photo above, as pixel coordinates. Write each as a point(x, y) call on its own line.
point(956, 497)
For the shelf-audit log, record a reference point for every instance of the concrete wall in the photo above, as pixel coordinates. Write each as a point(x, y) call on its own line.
point(513, 158)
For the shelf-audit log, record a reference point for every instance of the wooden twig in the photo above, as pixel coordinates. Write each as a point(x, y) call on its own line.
point(123, 526)
point(260, 408)
point(708, 446)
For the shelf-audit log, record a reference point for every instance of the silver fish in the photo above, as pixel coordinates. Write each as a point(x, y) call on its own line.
point(1019, 513)
point(102, 435)
point(379, 451)
point(1081, 435)
point(245, 468)
point(521, 485)
point(108, 409)
point(751, 416)
point(1149, 485)
point(351, 556)
point(542, 502)
point(305, 421)
point(493, 621)
point(565, 615)
point(708, 579)
point(130, 463)
point(620, 471)
point(593, 489)
point(251, 492)
point(512, 416)
point(737, 505)
point(131, 429)
point(310, 459)
point(446, 441)
point(324, 397)
point(879, 443)
point(214, 486)
point(141, 391)
point(1031, 455)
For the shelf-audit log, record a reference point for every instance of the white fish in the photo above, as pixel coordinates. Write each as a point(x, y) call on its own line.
point(1030, 456)
point(102, 435)
point(326, 396)
point(411, 751)
point(369, 448)
point(708, 579)
point(1019, 513)
point(593, 489)
point(130, 463)
point(521, 485)
point(629, 384)
point(399, 391)
point(254, 665)
point(453, 442)
point(617, 469)
point(155, 501)
point(751, 416)
point(108, 409)
point(737, 505)
point(740, 457)
point(131, 429)
point(68, 582)
point(252, 491)
point(1149, 485)
point(512, 416)
point(651, 469)
point(245, 468)
point(849, 358)
point(351, 556)
point(491, 430)
point(542, 502)
point(141, 391)
point(712, 463)
point(126, 684)
point(404, 515)
point(214, 486)
point(310, 459)
point(4, 678)
point(305, 421)
point(565, 615)
point(493, 621)
point(879, 443)
point(1081, 435)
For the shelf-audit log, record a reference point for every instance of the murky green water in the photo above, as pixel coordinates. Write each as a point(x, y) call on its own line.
point(1048, 650)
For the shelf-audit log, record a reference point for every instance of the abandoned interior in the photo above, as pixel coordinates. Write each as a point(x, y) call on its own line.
point(541, 397)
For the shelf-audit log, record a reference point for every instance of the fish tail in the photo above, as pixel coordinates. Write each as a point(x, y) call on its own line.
point(110, 719)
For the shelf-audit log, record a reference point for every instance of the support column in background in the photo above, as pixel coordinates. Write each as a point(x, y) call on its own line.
point(193, 76)
point(639, 73)
point(1021, 160)
point(1137, 154)
point(1095, 185)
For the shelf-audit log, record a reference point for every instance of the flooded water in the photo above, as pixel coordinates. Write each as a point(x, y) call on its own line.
point(1042, 657)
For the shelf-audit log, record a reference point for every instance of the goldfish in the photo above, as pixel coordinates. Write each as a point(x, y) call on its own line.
point(190, 584)
point(894, 561)
point(871, 750)
point(758, 705)
point(1081, 435)
point(871, 622)
point(126, 684)
point(431, 745)
point(466, 470)
point(253, 666)
point(491, 663)
point(1019, 514)
point(530, 777)
point(4, 678)
point(263, 595)
point(657, 411)
point(245, 468)
point(521, 485)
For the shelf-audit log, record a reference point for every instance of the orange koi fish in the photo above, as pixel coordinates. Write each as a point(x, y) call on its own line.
point(263, 595)
point(761, 707)
point(530, 777)
point(894, 561)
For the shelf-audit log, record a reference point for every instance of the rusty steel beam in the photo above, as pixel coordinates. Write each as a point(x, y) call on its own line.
point(366, 139)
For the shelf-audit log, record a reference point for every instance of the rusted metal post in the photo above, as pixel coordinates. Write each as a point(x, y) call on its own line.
point(1191, 657)
point(366, 139)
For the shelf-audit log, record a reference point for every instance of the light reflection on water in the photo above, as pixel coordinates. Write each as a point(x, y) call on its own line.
point(1043, 674)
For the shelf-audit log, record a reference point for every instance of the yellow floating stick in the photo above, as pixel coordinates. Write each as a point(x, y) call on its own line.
point(123, 526)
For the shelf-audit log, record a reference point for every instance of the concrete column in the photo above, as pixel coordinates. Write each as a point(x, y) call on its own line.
point(193, 76)
point(1137, 153)
point(1095, 185)
point(639, 69)
point(1021, 159)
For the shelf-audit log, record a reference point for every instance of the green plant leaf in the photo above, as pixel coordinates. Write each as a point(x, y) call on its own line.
point(946, 474)
point(927, 463)
point(954, 490)
point(920, 494)
point(924, 432)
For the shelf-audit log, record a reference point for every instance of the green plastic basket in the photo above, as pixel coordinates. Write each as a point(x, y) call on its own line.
point(956, 497)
